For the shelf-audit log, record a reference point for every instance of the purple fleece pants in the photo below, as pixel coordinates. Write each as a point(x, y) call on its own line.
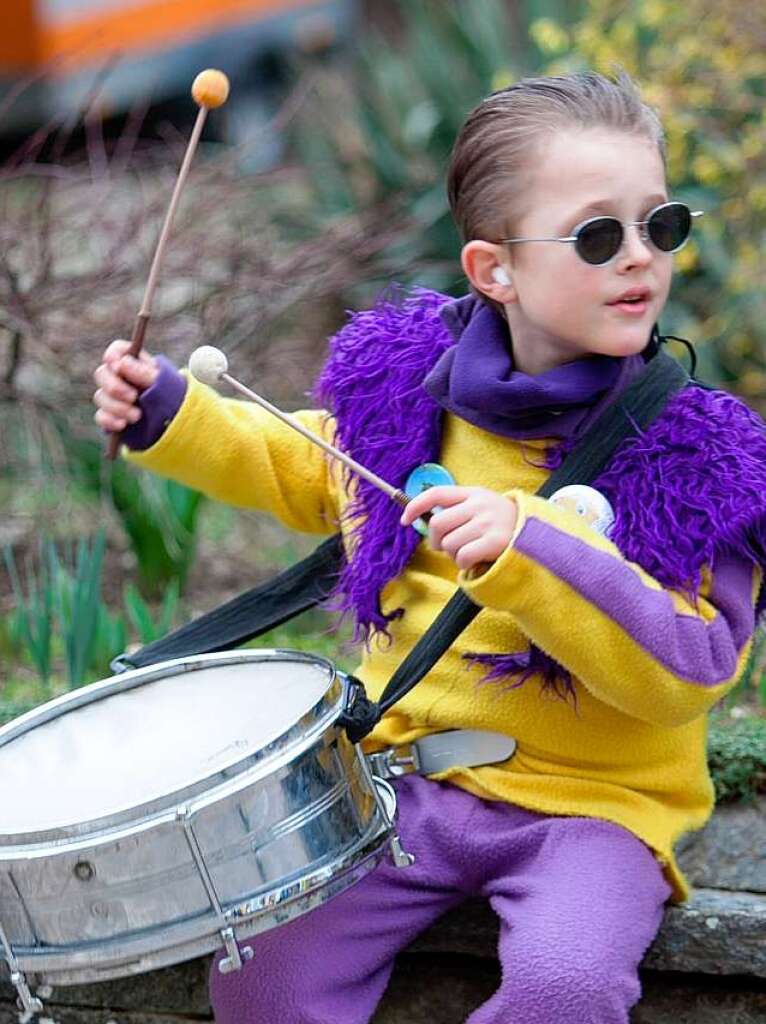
point(579, 902)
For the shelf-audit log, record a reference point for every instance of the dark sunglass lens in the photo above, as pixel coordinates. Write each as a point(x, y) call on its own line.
point(599, 240)
point(669, 226)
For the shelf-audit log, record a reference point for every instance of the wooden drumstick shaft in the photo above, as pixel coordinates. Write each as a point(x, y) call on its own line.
point(142, 319)
point(392, 492)
point(183, 174)
point(209, 89)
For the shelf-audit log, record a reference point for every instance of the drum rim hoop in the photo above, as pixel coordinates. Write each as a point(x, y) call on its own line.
point(322, 714)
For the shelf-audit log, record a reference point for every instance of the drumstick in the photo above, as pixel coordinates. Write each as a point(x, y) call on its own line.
point(209, 365)
point(209, 89)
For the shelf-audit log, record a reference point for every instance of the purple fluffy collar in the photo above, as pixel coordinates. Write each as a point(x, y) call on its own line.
point(705, 456)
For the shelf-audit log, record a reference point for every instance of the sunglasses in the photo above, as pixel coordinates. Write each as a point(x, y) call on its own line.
point(598, 240)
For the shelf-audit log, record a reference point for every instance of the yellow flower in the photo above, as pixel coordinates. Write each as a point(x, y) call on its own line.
point(739, 344)
point(753, 382)
point(756, 197)
point(706, 169)
point(752, 145)
point(549, 35)
point(688, 258)
point(502, 79)
point(653, 13)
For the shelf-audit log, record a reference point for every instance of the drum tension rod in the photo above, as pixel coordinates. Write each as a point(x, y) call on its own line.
point(30, 1004)
point(235, 956)
point(399, 855)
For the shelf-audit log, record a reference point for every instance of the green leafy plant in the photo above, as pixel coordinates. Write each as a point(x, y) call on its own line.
point(737, 756)
point(752, 682)
point(31, 624)
point(398, 118)
point(159, 516)
point(111, 639)
point(62, 626)
point(77, 603)
point(147, 626)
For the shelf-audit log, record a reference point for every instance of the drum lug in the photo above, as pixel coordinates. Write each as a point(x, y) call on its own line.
point(233, 962)
point(29, 1004)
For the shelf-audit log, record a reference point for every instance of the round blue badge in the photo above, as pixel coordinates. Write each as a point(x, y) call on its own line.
point(422, 478)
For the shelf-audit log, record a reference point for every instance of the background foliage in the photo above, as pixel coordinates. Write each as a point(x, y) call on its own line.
point(702, 64)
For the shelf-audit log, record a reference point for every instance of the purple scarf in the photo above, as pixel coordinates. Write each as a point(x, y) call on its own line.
point(475, 379)
point(373, 384)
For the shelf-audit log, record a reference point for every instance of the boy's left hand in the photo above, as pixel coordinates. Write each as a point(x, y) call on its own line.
point(473, 524)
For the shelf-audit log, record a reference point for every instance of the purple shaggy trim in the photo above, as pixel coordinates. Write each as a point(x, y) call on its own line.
point(526, 664)
point(693, 483)
point(372, 383)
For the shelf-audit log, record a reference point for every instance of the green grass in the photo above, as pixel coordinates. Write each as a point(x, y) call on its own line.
point(311, 632)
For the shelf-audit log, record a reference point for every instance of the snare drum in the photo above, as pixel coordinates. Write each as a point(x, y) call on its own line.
point(163, 813)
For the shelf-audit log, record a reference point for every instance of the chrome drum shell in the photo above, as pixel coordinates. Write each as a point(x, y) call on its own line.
point(261, 840)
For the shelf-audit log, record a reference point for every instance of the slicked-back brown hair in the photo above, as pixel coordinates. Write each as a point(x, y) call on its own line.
point(493, 156)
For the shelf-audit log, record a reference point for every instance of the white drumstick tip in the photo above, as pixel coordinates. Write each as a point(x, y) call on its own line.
point(207, 363)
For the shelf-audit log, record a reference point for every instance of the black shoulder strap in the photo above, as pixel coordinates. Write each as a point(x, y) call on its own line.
point(310, 581)
point(633, 412)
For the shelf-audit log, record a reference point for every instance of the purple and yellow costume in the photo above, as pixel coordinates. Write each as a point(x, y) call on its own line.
point(640, 634)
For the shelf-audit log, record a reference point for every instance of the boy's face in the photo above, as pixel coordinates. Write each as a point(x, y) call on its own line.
point(565, 308)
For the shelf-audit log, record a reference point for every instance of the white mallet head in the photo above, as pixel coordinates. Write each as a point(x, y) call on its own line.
point(207, 364)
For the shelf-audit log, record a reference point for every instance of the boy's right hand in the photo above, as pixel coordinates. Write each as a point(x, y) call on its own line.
point(121, 379)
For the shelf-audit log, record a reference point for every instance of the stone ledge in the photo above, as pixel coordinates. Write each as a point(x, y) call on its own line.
point(716, 932)
point(427, 989)
point(444, 989)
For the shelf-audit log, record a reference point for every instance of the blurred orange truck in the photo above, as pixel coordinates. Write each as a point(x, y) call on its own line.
point(56, 56)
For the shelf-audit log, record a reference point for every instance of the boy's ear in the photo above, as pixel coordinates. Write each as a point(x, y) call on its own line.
point(486, 267)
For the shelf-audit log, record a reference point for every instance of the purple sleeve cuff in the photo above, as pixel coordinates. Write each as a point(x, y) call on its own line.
point(159, 404)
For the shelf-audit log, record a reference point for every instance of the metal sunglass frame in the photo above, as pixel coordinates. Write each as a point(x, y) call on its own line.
point(642, 225)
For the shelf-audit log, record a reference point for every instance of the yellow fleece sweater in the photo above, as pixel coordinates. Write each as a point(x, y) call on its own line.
point(632, 749)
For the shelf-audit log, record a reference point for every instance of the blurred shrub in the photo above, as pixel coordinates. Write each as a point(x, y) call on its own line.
point(702, 65)
point(385, 137)
point(737, 757)
point(61, 626)
point(159, 516)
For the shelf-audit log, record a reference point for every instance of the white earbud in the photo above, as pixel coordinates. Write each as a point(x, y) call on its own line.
point(500, 276)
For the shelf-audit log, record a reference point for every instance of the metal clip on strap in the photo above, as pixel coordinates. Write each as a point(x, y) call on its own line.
point(438, 752)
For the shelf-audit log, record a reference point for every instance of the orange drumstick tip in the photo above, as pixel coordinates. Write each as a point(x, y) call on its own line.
point(210, 89)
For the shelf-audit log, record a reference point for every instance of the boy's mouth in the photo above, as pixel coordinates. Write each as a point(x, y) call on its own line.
point(634, 301)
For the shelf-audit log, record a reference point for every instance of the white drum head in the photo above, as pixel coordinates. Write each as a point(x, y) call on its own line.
point(133, 746)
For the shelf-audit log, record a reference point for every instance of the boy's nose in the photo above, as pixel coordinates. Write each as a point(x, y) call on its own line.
point(636, 247)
